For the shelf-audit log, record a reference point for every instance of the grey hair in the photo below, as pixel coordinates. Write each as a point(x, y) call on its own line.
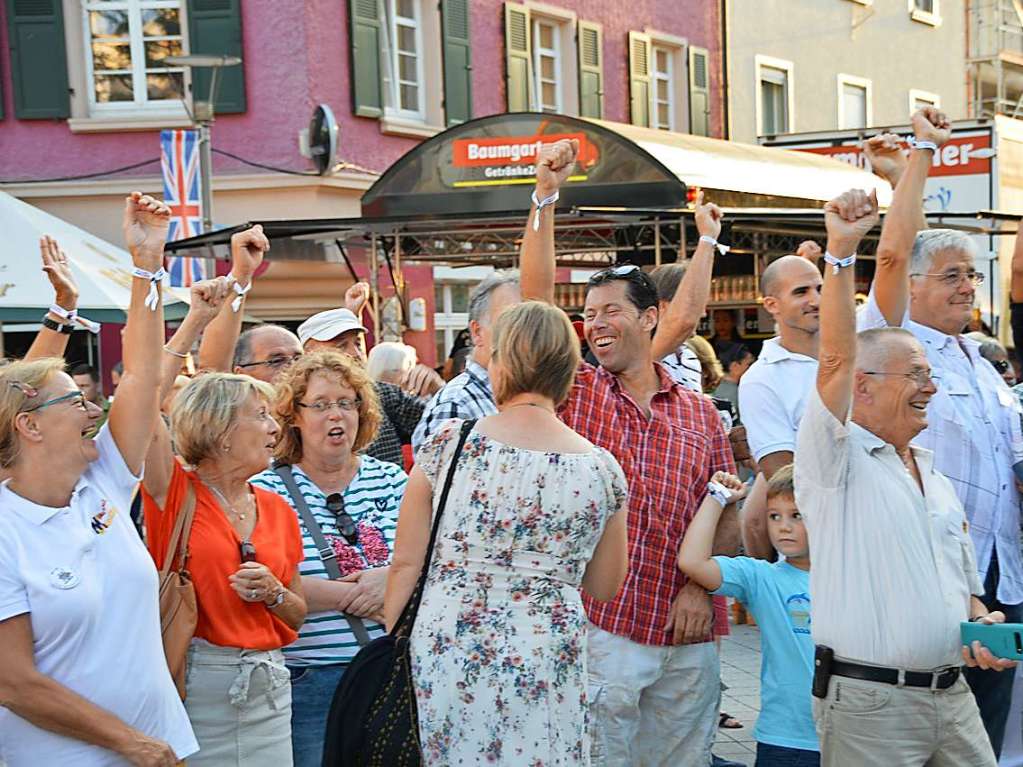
point(875, 346)
point(990, 348)
point(479, 301)
point(667, 278)
point(390, 357)
point(931, 242)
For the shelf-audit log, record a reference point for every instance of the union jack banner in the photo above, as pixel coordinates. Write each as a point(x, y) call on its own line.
point(179, 156)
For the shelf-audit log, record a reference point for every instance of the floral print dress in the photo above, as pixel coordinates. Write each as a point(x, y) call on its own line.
point(499, 643)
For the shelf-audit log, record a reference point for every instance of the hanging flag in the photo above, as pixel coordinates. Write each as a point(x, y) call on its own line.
point(179, 157)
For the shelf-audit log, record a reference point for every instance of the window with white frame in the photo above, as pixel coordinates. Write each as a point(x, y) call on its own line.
point(854, 102)
point(451, 314)
point(547, 64)
point(919, 99)
point(926, 6)
point(403, 60)
point(774, 96)
point(926, 11)
point(125, 43)
point(662, 94)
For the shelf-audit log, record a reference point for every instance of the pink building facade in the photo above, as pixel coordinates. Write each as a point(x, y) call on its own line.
point(84, 92)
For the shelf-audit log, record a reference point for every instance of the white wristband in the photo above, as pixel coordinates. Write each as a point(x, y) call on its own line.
point(922, 144)
point(839, 263)
point(722, 249)
point(236, 303)
point(153, 297)
point(72, 318)
point(719, 493)
point(540, 205)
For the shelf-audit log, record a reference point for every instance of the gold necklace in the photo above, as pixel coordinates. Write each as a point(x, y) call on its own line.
point(227, 503)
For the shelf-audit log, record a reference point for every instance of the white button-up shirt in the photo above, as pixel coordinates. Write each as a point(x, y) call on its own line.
point(88, 584)
point(973, 427)
point(772, 395)
point(892, 569)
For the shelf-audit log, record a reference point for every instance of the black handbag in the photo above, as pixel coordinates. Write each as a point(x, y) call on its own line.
point(373, 720)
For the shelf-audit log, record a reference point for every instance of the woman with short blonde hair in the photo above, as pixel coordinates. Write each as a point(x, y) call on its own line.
point(328, 411)
point(539, 353)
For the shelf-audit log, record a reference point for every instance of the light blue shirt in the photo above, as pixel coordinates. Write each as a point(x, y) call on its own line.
point(778, 596)
point(973, 428)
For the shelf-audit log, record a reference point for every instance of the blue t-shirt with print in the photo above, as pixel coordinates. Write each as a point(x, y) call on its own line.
point(778, 596)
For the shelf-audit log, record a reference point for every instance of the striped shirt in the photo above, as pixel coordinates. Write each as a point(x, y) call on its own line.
point(465, 396)
point(371, 499)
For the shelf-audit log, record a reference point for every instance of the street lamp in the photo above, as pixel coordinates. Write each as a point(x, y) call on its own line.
point(202, 117)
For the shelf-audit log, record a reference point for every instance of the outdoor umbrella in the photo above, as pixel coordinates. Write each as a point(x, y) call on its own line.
point(102, 271)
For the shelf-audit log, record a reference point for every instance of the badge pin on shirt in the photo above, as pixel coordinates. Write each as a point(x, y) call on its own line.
point(64, 578)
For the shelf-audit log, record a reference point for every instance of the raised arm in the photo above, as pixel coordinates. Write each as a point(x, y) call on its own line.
point(536, 259)
point(690, 300)
point(145, 225)
point(848, 217)
point(695, 556)
point(902, 221)
point(217, 349)
point(52, 343)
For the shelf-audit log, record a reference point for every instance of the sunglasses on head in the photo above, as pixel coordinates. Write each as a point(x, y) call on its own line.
point(345, 524)
point(1002, 366)
point(624, 271)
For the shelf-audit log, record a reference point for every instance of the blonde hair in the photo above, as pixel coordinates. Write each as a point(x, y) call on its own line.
point(205, 411)
point(390, 357)
point(782, 482)
point(538, 351)
point(709, 363)
point(20, 389)
point(292, 386)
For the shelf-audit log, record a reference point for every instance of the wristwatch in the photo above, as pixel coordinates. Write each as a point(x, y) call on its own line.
point(278, 600)
point(57, 326)
point(719, 493)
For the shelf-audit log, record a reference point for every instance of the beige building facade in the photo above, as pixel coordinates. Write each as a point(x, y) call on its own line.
point(820, 65)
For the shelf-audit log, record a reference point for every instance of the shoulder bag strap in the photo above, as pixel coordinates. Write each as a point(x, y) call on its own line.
point(325, 550)
point(408, 615)
point(183, 524)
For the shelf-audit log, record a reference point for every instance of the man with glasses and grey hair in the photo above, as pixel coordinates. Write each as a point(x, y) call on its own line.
point(926, 282)
point(469, 394)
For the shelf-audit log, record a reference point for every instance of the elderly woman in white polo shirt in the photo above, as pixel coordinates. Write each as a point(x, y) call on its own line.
point(84, 680)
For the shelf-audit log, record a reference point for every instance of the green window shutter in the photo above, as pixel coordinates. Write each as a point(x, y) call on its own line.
point(699, 92)
point(215, 28)
point(457, 61)
point(35, 34)
point(639, 78)
point(366, 30)
point(518, 58)
point(590, 45)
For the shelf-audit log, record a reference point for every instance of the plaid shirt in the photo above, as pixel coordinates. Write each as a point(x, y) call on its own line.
point(399, 414)
point(668, 458)
point(467, 395)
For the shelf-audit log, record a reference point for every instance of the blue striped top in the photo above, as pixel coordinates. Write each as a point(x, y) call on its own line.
point(371, 499)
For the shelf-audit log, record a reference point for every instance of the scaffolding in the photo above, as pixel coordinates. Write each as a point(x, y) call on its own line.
point(995, 58)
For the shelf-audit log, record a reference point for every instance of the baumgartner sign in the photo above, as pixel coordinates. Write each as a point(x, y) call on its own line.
point(504, 160)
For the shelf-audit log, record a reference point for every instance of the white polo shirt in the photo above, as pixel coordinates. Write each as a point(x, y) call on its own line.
point(772, 395)
point(893, 568)
point(90, 588)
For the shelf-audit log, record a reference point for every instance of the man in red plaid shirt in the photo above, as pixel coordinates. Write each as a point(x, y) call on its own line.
point(654, 673)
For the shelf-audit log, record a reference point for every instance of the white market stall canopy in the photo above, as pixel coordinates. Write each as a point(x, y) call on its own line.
point(102, 271)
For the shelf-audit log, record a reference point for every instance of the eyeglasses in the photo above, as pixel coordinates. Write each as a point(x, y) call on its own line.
point(954, 279)
point(919, 377)
point(323, 406)
point(1002, 366)
point(247, 549)
point(613, 272)
point(273, 362)
point(345, 524)
point(76, 396)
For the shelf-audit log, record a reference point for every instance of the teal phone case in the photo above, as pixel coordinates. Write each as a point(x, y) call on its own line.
point(1004, 640)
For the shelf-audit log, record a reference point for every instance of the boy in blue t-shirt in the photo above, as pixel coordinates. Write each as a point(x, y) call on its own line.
point(778, 596)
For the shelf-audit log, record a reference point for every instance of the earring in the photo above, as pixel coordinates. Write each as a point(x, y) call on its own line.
point(226, 448)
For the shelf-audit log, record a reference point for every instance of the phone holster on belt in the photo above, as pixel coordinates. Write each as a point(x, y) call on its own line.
point(822, 660)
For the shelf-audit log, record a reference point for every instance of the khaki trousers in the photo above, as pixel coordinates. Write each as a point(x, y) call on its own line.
point(863, 724)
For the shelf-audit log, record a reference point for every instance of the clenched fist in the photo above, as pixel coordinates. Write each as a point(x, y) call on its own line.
point(554, 165)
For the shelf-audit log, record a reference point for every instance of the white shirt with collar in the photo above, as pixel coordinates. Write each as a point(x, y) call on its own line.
point(973, 427)
point(90, 588)
point(772, 395)
point(893, 568)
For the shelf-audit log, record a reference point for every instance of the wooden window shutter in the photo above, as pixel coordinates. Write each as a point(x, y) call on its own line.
point(591, 69)
point(35, 35)
point(457, 61)
point(366, 30)
point(215, 28)
point(699, 92)
point(518, 58)
point(639, 78)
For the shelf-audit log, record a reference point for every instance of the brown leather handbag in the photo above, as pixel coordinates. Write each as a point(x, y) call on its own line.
point(178, 611)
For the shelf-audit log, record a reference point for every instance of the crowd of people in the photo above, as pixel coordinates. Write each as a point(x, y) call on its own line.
point(607, 495)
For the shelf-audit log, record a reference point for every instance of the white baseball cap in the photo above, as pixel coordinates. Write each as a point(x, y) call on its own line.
point(327, 325)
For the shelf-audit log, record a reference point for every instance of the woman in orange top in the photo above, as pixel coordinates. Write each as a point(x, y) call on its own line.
point(244, 548)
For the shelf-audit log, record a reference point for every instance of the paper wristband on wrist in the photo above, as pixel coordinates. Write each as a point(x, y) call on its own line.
point(912, 141)
point(839, 263)
point(236, 302)
point(153, 297)
point(719, 493)
point(722, 249)
point(540, 205)
point(70, 316)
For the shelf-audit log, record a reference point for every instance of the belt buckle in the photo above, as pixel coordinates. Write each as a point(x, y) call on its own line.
point(901, 680)
point(935, 678)
point(326, 553)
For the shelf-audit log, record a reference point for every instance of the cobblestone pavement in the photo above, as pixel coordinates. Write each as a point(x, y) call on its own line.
point(740, 671)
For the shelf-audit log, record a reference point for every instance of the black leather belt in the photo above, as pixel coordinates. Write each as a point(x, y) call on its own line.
point(936, 680)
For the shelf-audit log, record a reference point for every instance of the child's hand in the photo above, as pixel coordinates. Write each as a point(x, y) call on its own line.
point(733, 483)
